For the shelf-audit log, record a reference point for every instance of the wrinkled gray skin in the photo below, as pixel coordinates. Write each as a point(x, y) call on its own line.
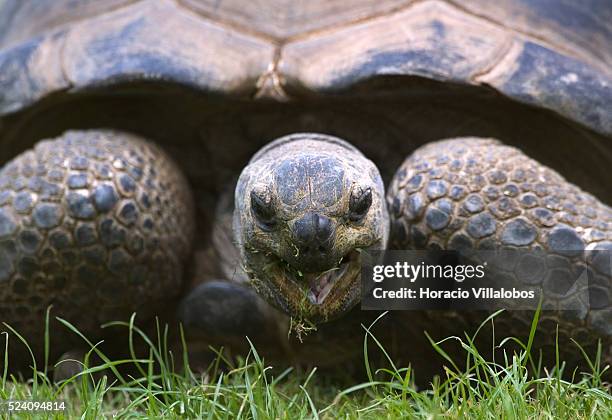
point(305, 206)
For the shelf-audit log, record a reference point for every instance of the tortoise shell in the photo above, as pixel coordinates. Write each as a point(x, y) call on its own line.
point(555, 55)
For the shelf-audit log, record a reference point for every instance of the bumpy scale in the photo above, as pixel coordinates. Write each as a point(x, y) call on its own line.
point(473, 193)
point(95, 223)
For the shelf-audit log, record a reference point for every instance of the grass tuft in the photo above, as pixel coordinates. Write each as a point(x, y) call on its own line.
point(163, 387)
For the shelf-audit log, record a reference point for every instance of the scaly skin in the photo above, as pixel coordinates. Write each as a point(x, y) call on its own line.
point(97, 224)
point(77, 231)
point(480, 194)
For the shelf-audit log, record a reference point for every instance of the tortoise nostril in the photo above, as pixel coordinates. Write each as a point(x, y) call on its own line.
point(312, 229)
point(322, 249)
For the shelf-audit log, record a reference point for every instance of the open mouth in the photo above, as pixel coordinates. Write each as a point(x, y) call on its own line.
point(318, 286)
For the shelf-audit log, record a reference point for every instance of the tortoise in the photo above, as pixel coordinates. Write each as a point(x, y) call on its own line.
point(124, 125)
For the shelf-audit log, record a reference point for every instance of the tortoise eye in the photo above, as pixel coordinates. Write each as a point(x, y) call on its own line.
point(262, 209)
point(359, 204)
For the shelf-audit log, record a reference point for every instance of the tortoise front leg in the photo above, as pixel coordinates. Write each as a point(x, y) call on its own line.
point(226, 311)
point(95, 223)
point(225, 314)
point(473, 193)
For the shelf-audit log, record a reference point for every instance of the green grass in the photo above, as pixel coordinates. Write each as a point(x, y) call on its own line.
point(167, 388)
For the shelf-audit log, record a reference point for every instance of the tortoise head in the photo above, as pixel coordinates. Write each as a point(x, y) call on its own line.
point(305, 208)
